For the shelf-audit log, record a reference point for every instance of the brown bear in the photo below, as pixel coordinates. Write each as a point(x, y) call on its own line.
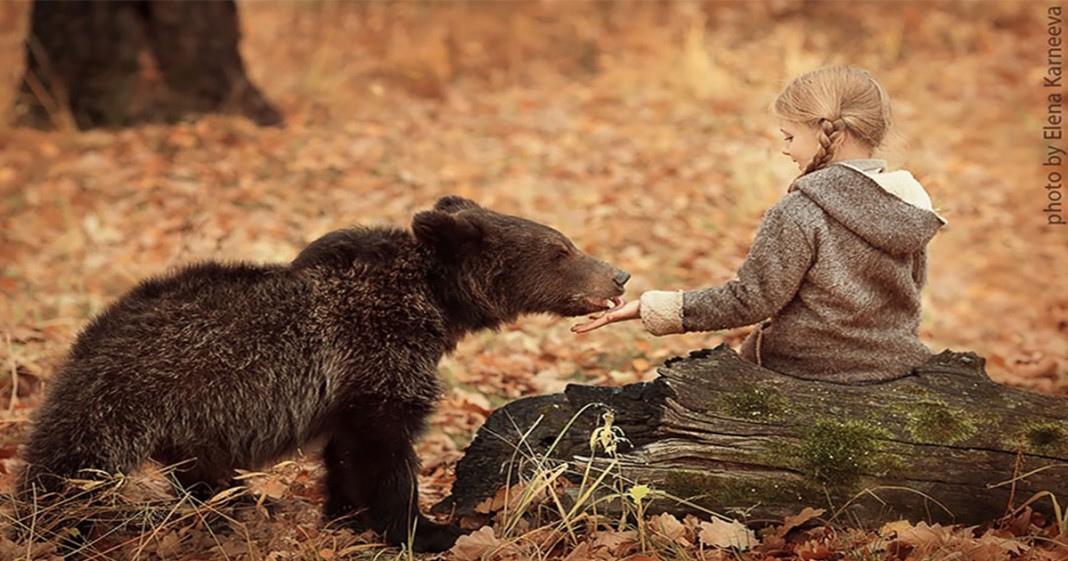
point(236, 365)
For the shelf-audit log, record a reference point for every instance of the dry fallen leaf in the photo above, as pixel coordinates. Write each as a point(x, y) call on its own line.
point(923, 535)
point(733, 534)
point(613, 542)
point(169, 545)
point(670, 527)
point(582, 552)
point(799, 519)
point(893, 529)
point(504, 497)
point(275, 487)
point(473, 546)
point(1009, 544)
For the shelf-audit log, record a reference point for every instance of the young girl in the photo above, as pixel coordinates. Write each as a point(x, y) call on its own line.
point(837, 265)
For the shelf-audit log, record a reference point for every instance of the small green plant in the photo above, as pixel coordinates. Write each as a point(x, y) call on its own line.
point(607, 435)
point(638, 493)
point(601, 491)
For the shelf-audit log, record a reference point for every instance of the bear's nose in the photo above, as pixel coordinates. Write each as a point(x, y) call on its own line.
point(622, 278)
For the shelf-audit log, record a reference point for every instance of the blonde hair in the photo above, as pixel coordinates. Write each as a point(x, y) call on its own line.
point(836, 100)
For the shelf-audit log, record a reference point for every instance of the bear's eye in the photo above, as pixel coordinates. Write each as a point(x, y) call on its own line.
point(562, 253)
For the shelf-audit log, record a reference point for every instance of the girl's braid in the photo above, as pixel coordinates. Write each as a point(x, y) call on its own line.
point(829, 136)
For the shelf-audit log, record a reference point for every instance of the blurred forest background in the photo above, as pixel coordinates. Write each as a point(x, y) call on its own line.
point(641, 130)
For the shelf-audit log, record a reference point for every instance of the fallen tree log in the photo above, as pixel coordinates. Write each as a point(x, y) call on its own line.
point(944, 444)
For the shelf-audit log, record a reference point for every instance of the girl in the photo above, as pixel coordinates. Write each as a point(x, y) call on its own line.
point(837, 265)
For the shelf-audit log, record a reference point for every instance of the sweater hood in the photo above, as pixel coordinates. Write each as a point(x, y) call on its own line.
point(889, 210)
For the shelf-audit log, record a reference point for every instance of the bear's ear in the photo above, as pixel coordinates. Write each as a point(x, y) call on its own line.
point(453, 204)
point(445, 231)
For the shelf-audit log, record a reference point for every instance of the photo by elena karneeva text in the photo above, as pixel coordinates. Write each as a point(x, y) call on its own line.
point(1053, 130)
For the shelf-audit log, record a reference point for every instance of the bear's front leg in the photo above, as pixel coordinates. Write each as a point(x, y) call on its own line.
point(374, 468)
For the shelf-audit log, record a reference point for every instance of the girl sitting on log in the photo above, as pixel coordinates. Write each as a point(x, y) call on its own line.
point(835, 271)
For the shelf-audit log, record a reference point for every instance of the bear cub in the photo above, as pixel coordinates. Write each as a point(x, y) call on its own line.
point(225, 366)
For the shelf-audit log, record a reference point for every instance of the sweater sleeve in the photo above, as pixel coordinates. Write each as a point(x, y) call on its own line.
point(661, 312)
point(767, 281)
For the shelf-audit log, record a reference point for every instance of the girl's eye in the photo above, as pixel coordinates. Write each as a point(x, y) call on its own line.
point(788, 139)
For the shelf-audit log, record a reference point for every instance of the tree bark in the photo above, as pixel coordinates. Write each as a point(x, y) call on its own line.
point(729, 436)
point(83, 63)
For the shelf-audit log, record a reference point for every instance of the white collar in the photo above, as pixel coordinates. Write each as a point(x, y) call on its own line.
point(900, 183)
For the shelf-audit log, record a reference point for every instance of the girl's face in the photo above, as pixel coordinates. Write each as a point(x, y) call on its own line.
point(799, 142)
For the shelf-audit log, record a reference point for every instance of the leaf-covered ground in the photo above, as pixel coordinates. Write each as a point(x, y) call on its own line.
point(640, 130)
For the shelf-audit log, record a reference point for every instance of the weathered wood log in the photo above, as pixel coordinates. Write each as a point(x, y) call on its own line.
point(722, 433)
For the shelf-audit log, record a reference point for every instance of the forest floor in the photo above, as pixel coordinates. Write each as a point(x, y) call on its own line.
point(640, 130)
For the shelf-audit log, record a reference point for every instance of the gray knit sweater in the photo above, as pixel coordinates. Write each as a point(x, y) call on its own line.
point(835, 269)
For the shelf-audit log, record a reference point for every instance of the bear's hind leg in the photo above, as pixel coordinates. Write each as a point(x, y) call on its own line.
point(58, 451)
point(61, 449)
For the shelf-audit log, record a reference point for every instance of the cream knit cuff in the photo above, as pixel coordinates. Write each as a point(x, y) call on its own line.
point(661, 312)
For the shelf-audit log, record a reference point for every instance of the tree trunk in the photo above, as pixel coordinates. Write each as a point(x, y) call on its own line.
point(83, 61)
point(738, 439)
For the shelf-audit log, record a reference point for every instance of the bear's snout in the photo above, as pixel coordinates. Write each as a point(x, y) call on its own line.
point(602, 288)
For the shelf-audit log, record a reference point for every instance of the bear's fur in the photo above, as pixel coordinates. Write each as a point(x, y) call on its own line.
point(237, 365)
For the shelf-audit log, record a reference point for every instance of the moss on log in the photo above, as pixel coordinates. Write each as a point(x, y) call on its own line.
point(941, 444)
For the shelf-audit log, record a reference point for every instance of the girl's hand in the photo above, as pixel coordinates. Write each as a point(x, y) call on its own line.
point(630, 310)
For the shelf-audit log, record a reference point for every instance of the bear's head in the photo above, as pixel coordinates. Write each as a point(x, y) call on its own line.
point(505, 266)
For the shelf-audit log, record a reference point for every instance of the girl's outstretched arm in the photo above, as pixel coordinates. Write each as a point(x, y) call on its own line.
point(630, 310)
point(768, 279)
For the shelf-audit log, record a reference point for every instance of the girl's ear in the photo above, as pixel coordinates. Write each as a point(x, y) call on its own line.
point(845, 138)
point(447, 232)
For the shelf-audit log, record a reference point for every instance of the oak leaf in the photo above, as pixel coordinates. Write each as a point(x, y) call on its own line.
point(799, 519)
point(731, 534)
point(475, 545)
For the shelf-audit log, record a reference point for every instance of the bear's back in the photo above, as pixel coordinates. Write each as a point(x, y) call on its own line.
point(360, 246)
point(164, 308)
